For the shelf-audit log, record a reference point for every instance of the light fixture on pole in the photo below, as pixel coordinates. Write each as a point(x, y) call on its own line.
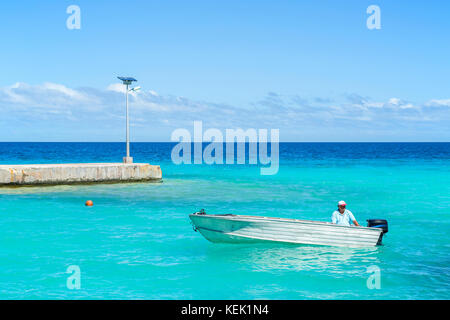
point(127, 81)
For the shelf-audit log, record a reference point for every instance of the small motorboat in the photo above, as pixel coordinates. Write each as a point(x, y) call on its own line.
point(230, 228)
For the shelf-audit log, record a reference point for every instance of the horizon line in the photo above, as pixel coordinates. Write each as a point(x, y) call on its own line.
point(224, 142)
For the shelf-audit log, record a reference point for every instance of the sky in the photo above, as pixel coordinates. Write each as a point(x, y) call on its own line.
point(312, 69)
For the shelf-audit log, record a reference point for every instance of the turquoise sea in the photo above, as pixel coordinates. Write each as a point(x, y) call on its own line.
point(136, 242)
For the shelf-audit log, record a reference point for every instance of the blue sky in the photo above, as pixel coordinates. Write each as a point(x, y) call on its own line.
point(310, 68)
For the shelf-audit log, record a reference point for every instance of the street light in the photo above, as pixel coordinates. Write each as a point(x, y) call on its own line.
point(127, 81)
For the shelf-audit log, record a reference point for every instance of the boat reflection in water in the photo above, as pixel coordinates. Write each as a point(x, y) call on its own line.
point(280, 258)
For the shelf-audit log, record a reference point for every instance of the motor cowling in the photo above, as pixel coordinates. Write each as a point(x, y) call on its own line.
point(378, 223)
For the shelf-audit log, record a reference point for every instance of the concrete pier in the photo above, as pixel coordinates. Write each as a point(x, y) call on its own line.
point(52, 174)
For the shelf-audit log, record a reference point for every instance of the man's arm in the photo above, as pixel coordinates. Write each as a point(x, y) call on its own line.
point(353, 219)
point(333, 218)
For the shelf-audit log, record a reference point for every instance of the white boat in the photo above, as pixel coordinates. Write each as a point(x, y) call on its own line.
point(230, 228)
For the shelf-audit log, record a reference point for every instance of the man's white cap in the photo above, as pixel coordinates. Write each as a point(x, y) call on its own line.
point(342, 203)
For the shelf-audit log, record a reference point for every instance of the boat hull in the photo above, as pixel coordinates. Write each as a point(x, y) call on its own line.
point(250, 229)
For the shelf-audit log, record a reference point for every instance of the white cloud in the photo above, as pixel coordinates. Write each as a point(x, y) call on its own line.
point(64, 90)
point(116, 87)
point(102, 112)
point(394, 101)
point(438, 103)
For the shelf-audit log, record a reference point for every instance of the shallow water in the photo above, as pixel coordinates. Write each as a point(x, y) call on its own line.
point(136, 242)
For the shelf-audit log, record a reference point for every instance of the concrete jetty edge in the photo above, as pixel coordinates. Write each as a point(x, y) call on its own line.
point(77, 173)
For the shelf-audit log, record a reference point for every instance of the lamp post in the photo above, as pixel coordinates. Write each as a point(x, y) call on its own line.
point(127, 81)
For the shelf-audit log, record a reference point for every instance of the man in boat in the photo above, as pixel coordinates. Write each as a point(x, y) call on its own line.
point(343, 216)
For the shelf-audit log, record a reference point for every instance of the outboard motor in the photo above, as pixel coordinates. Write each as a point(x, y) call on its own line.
point(378, 223)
